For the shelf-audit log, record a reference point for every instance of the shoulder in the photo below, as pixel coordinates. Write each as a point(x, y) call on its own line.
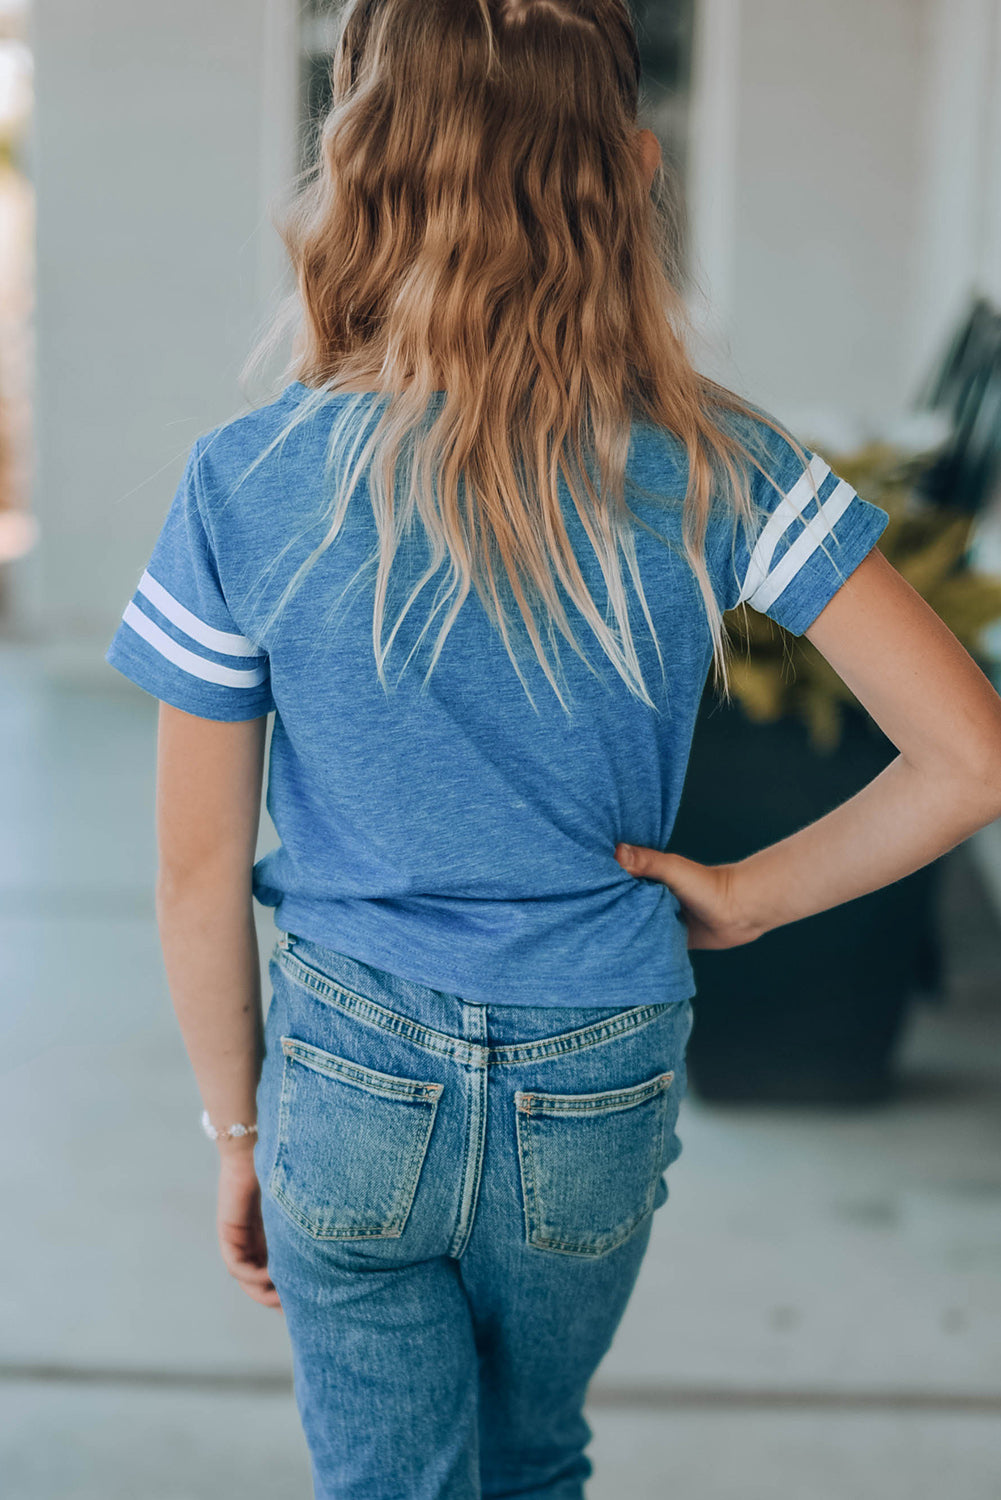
point(767, 455)
point(775, 457)
point(228, 447)
point(239, 471)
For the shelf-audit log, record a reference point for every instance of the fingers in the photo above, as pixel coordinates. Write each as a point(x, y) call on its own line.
point(640, 861)
point(266, 1296)
point(629, 857)
point(251, 1276)
point(244, 1249)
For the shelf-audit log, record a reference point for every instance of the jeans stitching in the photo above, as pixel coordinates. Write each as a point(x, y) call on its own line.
point(529, 1189)
point(411, 1172)
point(605, 1103)
point(309, 1225)
point(459, 1048)
point(474, 1141)
point(393, 1227)
point(580, 1038)
point(596, 1246)
point(280, 1127)
point(369, 1079)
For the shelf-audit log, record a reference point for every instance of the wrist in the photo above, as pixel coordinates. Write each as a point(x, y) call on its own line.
point(747, 912)
point(240, 1133)
point(236, 1149)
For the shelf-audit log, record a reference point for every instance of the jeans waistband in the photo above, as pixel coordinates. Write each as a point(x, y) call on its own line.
point(447, 1024)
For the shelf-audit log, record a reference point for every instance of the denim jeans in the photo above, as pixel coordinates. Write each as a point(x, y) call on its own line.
point(457, 1198)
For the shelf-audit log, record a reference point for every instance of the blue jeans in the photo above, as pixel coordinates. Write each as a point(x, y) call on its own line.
point(457, 1198)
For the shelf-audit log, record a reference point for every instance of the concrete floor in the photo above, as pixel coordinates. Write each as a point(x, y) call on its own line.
point(818, 1318)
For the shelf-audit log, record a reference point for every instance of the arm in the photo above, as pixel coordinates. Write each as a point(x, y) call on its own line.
point(930, 698)
point(207, 811)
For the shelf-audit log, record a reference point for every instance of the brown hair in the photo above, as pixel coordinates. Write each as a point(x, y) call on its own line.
point(478, 242)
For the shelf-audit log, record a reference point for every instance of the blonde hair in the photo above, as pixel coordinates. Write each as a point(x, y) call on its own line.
point(477, 240)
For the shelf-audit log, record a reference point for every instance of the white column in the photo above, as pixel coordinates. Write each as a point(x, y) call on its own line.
point(712, 177)
point(989, 257)
point(959, 224)
point(160, 133)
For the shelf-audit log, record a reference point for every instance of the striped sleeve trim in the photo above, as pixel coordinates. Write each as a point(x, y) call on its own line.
point(190, 661)
point(225, 641)
point(763, 582)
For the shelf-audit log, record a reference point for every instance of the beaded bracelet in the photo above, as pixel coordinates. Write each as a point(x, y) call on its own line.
point(230, 1130)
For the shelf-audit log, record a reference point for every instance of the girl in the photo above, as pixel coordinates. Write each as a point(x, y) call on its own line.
point(474, 559)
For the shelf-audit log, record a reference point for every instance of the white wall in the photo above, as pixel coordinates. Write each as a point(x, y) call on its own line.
point(846, 203)
point(959, 228)
point(846, 185)
point(160, 132)
point(827, 171)
point(846, 180)
point(821, 166)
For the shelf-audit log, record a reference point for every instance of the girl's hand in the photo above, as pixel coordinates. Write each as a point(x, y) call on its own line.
point(707, 893)
point(240, 1226)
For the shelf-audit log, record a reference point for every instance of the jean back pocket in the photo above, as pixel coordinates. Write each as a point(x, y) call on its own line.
point(351, 1144)
point(590, 1163)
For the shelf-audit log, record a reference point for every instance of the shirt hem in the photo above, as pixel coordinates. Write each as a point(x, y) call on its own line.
point(540, 992)
point(133, 665)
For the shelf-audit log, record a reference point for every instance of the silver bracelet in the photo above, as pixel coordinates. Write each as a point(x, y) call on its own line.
point(230, 1130)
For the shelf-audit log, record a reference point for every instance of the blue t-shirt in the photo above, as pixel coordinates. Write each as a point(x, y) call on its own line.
point(453, 834)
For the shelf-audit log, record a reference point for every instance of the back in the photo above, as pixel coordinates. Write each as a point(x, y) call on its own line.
point(453, 833)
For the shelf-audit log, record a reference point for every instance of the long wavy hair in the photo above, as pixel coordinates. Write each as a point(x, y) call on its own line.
point(478, 244)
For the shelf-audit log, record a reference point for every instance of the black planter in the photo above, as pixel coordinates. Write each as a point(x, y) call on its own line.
point(812, 1012)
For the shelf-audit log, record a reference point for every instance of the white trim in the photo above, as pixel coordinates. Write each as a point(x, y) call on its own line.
point(783, 516)
point(216, 640)
point(196, 666)
point(804, 546)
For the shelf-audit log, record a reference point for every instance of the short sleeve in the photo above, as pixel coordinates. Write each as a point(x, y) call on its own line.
point(812, 531)
point(177, 638)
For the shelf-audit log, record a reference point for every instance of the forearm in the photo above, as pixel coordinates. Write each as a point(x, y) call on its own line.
point(897, 823)
point(211, 957)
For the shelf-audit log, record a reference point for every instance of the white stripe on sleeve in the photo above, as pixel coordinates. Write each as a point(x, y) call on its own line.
point(196, 666)
point(785, 514)
point(225, 641)
point(804, 546)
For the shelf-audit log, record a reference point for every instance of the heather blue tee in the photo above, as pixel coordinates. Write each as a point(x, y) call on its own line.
point(454, 834)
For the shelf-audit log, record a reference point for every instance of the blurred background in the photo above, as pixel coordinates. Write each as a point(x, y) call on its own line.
point(819, 1315)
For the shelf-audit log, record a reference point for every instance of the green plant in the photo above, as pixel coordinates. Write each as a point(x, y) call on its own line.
point(774, 674)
